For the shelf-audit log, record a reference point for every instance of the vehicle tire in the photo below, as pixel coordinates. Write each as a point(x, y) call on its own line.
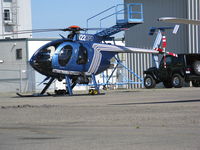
point(177, 81)
point(196, 67)
point(149, 82)
point(167, 84)
point(196, 83)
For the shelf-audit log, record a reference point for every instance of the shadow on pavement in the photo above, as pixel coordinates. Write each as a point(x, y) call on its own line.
point(162, 102)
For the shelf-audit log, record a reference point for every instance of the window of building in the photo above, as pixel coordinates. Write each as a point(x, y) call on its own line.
point(6, 14)
point(18, 53)
point(8, 28)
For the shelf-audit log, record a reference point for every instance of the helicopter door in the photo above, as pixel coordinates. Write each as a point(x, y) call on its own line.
point(65, 55)
point(82, 55)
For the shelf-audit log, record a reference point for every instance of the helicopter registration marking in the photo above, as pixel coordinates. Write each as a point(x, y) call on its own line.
point(84, 37)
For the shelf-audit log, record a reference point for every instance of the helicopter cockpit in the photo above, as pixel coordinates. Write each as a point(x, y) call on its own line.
point(59, 55)
point(69, 54)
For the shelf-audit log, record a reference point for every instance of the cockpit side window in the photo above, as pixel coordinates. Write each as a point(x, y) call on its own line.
point(82, 55)
point(65, 55)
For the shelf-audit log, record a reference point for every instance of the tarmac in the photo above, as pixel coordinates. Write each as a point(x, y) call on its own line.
point(141, 119)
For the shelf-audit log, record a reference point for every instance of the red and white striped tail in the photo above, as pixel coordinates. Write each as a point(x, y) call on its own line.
point(169, 53)
point(172, 54)
point(159, 50)
point(164, 45)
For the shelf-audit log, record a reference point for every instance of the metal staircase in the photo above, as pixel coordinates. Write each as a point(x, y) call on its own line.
point(126, 16)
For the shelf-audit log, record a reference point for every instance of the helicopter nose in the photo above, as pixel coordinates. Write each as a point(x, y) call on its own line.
point(41, 62)
point(34, 63)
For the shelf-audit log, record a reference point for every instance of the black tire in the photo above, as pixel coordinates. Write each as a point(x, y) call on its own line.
point(167, 84)
point(177, 81)
point(196, 67)
point(149, 82)
point(196, 83)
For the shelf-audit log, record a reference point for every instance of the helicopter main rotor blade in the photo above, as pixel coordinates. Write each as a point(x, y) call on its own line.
point(50, 30)
point(31, 31)
point(93, 29)
point(179, 20)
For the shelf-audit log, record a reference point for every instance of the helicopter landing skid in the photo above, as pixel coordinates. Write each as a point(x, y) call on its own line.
point(33, 95)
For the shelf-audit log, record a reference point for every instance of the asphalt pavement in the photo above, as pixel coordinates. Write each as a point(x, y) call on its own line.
point(157, 119)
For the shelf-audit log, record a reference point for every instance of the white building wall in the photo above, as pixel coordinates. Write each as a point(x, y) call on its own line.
point(24, 17)
point(20, 18)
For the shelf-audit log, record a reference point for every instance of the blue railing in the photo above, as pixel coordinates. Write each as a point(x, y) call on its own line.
point(98, 15)
point(133, 15)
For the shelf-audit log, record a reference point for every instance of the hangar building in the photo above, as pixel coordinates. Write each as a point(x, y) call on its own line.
point(185, 41)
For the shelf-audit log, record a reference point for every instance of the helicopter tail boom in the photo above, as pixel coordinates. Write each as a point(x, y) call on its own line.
point(122, 49)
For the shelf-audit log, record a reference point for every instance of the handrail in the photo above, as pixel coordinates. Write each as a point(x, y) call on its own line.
point(106, 18)
point(110, 16)
point(99, 14)
point(116, 10)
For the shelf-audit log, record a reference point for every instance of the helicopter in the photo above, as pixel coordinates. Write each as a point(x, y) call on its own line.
point(79, 57)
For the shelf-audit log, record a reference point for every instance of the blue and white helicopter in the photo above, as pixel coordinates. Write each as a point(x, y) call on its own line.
point(79, 57)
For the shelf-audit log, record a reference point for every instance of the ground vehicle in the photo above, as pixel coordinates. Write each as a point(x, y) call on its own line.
point(178, 70)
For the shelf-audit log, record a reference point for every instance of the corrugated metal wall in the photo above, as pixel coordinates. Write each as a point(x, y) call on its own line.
point(138, 63)
point(138, 36)
point(193, 30)
point(186, 40)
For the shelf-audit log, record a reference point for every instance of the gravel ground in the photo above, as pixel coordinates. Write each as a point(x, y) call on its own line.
point(158, 119)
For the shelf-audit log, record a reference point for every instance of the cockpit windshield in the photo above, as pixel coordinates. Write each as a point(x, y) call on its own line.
point(65, 55)
point(46, 53)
